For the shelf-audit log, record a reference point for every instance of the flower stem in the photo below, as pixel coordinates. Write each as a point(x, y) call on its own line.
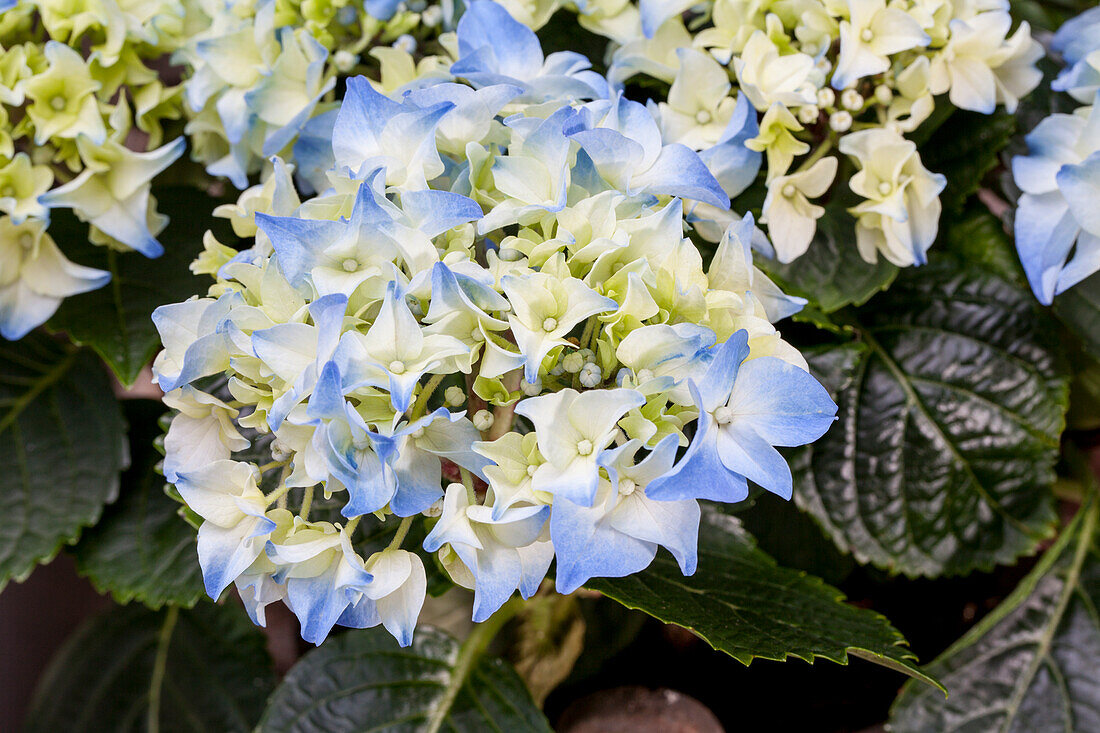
point(468, 655)
point(421, 404)
point(160, 665)
point(399, 536)
point(468, 482)
point(825, 146)
point(278, 493)
point(307, 502)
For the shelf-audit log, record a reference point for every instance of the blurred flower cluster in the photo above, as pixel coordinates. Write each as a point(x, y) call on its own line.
point(486, 337)
point(98, 98)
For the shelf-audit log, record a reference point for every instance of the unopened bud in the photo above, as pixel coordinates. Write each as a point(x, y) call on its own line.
point(573, 362)
point(454, 396)
point(840, 121)
point(590, 375)
point(808, 114)
point(852, 100)
point(483, 420)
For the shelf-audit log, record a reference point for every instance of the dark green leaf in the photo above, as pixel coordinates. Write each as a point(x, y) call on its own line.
point(142, 549)
point(62, 444)
point(200, 670)
point(794, 539)
point(950, 415)
point(1079, 310)
point(1031, 664)
point(964, 149)
point(361, 680)
point(742, 603)
point(115, 320)
point(831, 274)
point(978, 240)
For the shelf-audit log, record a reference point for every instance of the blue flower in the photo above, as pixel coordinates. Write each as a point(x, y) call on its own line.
point(195, 337)
point(746, 408)
point(296, 352)
point(498, 554)
point(1057, 214)
point(624, 142)
point(418, 447)
point(494, 48)
point(733, 165)
point(372, 131)
point(624, 522)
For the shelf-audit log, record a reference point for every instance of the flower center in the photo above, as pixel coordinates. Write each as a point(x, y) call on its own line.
point(866, 35)
point(475, 334)
point(703, 117)
point(418, 433)
point(350, 264)
point(788, 190)
point(397, 367)
point(626, 487)
point(885, 188)
point(531, 470)
point(549, 324)
point(584, 448)
point(58, 103)
point(723, 415)
point(26, 241)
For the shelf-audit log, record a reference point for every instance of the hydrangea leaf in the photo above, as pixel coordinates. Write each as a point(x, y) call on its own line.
point(1079, 309)
point(831, 274)
point(951, 409)
point(142, 549)
point(1031, 663)
point(965, 148)
point(742, 603)
point(62, 440)
point(115, 320)
point(361, 680)
point(135, 669)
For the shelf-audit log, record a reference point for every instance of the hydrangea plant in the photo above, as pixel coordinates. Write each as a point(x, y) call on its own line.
point(503, 307)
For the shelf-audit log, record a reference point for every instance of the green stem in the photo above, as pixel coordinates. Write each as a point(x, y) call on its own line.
point(160, 665)
point(468, 655)
point(307, 502)
point(273, 464)
point(278, 493)
point(825, 146)
point(399, 536)
point(468, 482)
point(421, 403)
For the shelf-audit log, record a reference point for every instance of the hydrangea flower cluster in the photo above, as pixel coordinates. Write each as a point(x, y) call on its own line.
point(489, 321)
point(86, 89)
point(1057, 226)
point(848, 75)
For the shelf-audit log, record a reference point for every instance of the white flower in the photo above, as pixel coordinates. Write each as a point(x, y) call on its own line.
point(873, 33)
point(791, 218)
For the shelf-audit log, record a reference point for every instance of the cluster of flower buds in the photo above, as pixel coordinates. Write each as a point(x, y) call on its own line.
point(485, 338)
point(852, 76)
point(80, 100)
